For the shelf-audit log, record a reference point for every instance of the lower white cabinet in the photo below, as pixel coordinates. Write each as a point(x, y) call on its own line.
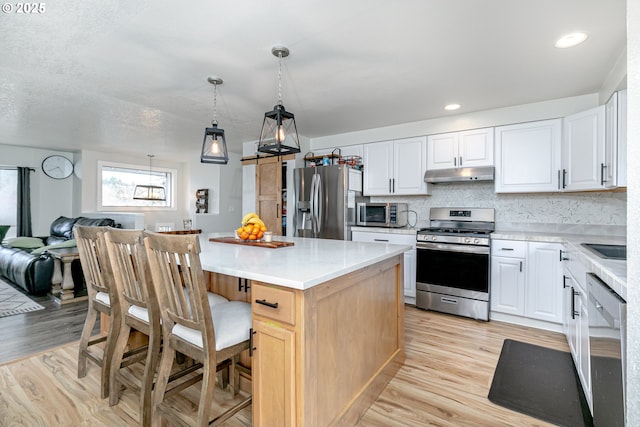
point(575, 320)
point(526, 279)
point(382, 235)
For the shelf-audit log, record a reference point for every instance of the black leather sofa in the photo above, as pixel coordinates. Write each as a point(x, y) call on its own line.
point(33, 272)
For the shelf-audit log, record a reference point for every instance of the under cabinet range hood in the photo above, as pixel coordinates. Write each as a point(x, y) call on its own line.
point(483, 173)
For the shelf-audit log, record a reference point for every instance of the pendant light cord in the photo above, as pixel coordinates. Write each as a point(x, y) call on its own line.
point(214, 122)
point(279, 78)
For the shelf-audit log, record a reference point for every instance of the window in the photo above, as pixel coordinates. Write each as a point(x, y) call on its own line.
point(9, 197)
point(118, 182)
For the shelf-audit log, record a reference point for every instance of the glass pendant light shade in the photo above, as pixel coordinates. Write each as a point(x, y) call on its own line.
point(149, 192)
point(214, 144)
point(279, 134)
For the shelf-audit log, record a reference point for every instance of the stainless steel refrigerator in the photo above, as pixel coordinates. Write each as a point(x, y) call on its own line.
point(326, 197)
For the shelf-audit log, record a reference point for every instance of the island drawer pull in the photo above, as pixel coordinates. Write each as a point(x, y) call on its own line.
point(506, 249)
point(380, 240)
point(267, 303)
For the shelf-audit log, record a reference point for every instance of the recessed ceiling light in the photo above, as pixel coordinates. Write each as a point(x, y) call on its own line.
point(451, 107)
point(571, 40)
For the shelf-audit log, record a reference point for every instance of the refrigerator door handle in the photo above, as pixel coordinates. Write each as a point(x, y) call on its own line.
point(312, 196)
point(319, 204)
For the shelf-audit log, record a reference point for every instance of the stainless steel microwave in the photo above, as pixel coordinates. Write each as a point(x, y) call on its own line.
point(382, 214)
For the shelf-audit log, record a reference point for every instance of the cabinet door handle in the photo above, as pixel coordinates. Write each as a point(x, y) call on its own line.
point(564, 281)
point(506, 249)
point(380, 240)
point(573, 303)
point(460, 161)
point(564, 178)
point(267, 303)
point(394, 185)
point(251, 347)
point(602, 168)
point(559, 179)
point(563, 258)
point(455, 160)
point(390, 185)
point(520, 266)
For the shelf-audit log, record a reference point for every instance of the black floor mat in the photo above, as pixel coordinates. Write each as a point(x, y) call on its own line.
point(540, 382)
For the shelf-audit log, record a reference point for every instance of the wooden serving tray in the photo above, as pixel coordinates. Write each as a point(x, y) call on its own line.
point(272, 244)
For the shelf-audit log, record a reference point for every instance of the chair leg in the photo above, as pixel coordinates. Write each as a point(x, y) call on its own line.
point(164, 371)
point(235, 375)
point(153, 358)
point(109, 346)
point(119, 348)
point(89, 324)
point(206, 396)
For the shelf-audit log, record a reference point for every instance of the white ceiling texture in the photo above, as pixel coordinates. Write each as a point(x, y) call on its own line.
point(131, 76)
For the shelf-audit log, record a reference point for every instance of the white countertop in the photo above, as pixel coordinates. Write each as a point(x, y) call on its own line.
point(612, 272)
point(306, 264)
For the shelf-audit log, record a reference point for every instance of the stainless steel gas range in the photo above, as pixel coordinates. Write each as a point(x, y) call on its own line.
point(453, 260)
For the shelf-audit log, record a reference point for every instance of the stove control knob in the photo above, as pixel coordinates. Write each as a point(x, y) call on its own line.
point(434, 238)
point(467, 240)
point(476, 241)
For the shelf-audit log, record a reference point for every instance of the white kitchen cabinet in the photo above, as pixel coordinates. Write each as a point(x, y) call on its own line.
point(583, 150)
point(382, 235)
point(544, 279)
point(528, 157)
point(576, 318)
point(395, 167)
point(614, 165)
point(468, 148)
point(526, 279)
point(508, 277)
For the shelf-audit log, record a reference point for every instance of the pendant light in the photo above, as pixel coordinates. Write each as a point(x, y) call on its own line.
point(279, 134)
point(214, 144)
point(149, 192)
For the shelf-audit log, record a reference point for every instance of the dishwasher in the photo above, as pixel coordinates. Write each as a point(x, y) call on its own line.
point(607, 314)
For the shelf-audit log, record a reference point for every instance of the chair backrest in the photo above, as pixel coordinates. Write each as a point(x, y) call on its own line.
point(130, 268)
point(92, 250)
point(180, 286)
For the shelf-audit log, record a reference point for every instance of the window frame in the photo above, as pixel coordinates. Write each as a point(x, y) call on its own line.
point(172, 199)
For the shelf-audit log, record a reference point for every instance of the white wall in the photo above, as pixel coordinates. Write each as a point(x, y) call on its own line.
point(633, 230)
point(50, 198)
point(225, 193)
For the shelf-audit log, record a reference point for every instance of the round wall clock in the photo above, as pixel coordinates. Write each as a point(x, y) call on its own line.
point(57, 167)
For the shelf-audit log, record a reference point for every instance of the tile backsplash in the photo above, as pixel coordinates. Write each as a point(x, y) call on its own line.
point(601, 208)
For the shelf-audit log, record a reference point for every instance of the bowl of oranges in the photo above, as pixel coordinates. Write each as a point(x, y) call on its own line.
point(252, 227)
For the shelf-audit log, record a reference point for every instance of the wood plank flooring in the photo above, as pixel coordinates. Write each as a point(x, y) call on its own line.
point(36, 331)
point(444, 382)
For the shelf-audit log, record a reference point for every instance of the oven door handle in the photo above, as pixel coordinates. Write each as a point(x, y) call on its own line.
point(469, 249)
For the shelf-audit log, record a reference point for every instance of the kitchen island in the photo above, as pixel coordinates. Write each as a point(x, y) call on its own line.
point(328, 325)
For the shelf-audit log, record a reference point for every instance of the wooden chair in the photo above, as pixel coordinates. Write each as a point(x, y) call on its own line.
point(212, 336)
point(139, 311)
point(97, 275)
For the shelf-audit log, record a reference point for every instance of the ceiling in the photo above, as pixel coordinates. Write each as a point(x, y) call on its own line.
point(131, 76)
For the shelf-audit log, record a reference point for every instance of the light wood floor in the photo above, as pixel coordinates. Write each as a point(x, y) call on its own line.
point(444, 382)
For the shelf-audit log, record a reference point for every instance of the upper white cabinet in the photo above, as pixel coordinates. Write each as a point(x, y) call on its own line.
point(614, 165)
point(583, 150)
point(528, 156)
point(468, 148)
point(395, 167)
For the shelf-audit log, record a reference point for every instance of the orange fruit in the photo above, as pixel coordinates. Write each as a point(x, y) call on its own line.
point(248, 228)
point(240, 230)
point(253, 237)
point(255, 230)
point(260, 234)
point(244, 235)
point(263, 228)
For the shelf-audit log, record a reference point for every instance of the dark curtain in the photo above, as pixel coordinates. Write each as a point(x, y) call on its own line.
point(24, 202)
